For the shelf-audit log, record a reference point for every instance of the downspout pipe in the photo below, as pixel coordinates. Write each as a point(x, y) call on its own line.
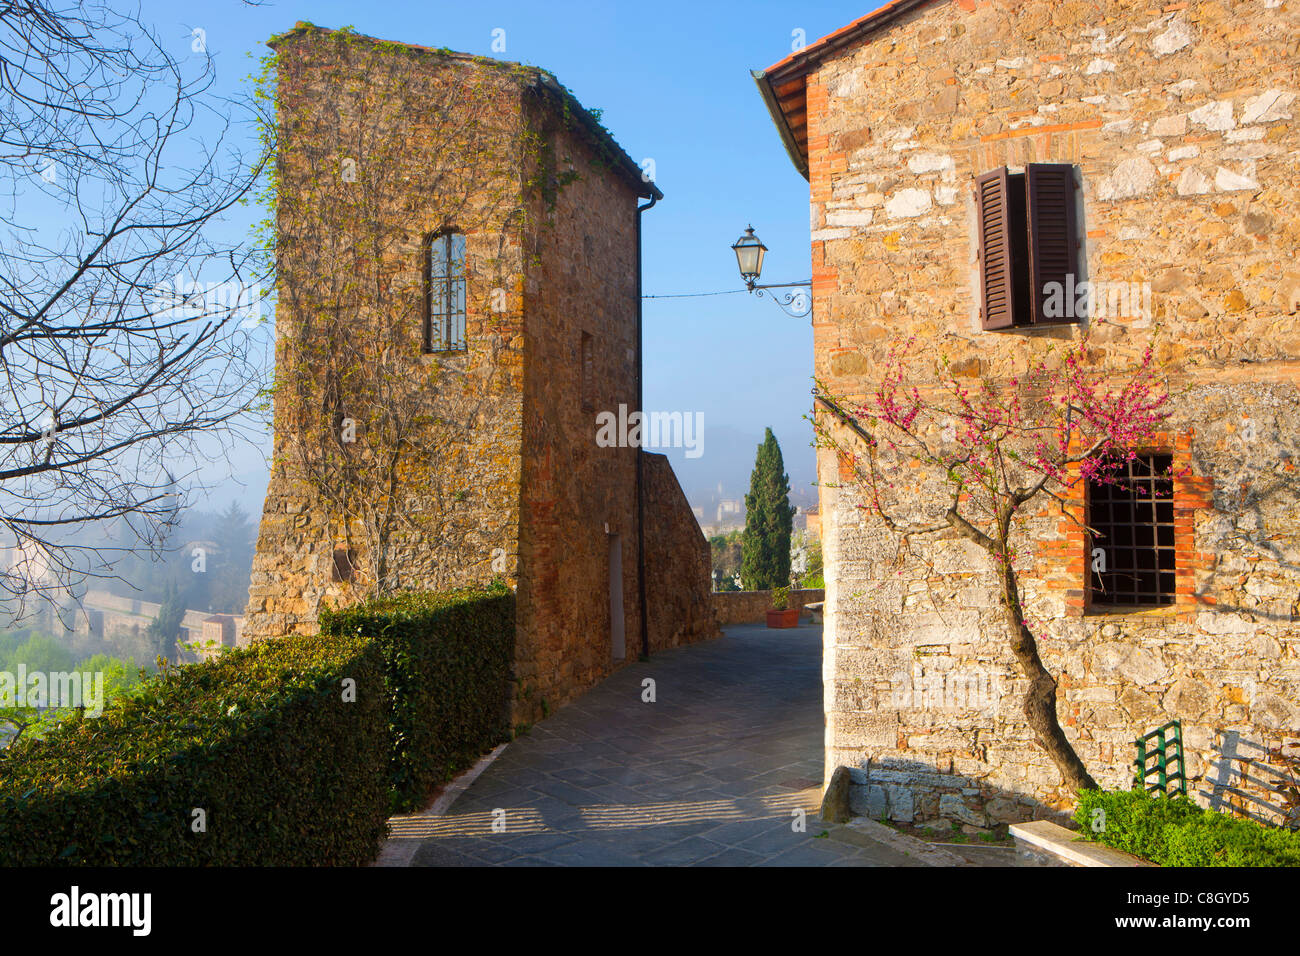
point(640, 453)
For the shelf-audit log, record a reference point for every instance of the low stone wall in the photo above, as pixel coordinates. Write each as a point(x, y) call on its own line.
point(1043, 843)
point(110, 617)
point(750, 607)
point(677, 563)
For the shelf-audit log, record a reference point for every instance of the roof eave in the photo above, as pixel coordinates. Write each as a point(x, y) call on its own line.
point(778, 118)
point(802, 61)
point(645, 189)
point(799, 64)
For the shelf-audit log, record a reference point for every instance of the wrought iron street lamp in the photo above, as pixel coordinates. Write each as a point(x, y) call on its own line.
point(749, 251)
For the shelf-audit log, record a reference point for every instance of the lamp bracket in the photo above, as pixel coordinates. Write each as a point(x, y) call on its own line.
point(796, 304)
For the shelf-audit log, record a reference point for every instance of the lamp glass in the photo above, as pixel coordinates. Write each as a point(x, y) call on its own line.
point(749, 251)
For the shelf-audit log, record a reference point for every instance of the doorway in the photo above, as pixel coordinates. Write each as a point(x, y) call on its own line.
point(618, 639)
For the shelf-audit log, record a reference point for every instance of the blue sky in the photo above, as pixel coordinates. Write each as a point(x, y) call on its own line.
point(673, 81)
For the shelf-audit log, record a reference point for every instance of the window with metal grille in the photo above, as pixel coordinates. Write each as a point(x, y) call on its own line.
point(1027, 227)
point(444, 328)
point(1131, 545)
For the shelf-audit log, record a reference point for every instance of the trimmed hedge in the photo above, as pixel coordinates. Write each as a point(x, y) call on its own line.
point(448, 661)
point(1174, 831)
point(261, 740)
point(264, 740)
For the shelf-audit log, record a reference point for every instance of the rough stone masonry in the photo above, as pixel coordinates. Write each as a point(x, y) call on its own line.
point(1180, 119)
point(382, 146)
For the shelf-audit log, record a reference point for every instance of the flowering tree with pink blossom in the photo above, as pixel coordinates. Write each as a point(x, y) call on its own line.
point(990, 449)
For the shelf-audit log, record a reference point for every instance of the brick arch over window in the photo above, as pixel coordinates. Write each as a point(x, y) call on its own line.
point(443, 265)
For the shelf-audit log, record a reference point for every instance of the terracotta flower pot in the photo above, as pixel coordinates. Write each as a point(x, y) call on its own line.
point(786, 618)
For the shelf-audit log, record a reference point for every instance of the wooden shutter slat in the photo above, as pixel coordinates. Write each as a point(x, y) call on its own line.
point(1053, 242)
point(996, 272)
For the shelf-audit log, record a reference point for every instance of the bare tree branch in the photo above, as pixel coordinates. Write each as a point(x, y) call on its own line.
point(129, 347)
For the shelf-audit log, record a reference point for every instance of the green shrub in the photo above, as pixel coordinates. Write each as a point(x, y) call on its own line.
point(1174, 831)
point(261, 740)
point(448, 662)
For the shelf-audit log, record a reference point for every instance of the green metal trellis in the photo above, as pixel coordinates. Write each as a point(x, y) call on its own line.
point(1167, 753)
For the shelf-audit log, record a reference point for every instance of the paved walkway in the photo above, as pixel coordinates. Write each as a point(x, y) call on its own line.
point(709, 774)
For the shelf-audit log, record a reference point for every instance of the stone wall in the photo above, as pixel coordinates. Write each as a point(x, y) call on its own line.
point(1181, 121)
point(580, 279)
point(499, 474)
point(751, 607)
point(361, 124)
point(678, 563)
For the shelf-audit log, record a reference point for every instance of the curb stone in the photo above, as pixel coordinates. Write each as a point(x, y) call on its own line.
point(398, 850)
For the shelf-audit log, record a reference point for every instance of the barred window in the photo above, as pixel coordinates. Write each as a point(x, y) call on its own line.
point(1131, 516)
point(444, 329)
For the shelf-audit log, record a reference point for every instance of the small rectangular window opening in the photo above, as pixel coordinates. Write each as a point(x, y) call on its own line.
point(345, 564)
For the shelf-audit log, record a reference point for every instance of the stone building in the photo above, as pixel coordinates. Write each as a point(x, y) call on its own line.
point(1171, 131)
point(457, 244)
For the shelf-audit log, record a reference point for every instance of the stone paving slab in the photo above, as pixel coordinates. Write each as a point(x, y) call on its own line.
point(710, 773)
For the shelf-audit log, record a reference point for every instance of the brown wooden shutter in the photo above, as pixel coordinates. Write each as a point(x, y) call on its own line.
point(997, 287)
point(1053, 242)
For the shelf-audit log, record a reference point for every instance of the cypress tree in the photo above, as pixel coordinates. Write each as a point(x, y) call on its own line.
point(769, 518)
point(165, 629)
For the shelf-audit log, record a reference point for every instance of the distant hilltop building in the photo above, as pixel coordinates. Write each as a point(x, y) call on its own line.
point(809, 519)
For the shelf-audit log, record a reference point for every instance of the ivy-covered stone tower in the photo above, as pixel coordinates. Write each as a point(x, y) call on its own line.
point(456, 243)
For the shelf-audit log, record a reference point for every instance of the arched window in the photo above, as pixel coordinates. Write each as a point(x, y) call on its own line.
point(444, 271)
